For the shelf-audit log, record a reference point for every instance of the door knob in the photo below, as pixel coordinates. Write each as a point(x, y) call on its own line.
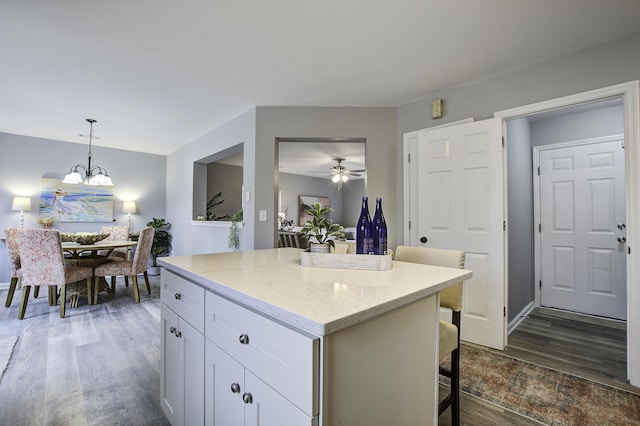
point(621, 226)
point(423, 240)
point(247, 398)
point(244, 339)
point(622, 240)
point(177, 296)
point(235, 388)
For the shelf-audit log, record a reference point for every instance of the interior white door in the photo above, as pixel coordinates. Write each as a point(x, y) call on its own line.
point(460, 206)
point(582, 236)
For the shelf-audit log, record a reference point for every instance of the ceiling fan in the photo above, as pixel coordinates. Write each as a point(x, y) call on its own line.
point(340, 174)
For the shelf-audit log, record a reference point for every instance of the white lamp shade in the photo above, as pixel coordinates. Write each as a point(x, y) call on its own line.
point(129, 207)
point(21, 203)
point(72, 177)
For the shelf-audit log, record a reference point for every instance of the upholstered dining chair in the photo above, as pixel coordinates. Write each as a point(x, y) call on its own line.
point(292, 239)
point(43, 263)
point(129, 268)
point(116, 233)
point(451, 298)
point(14, 265)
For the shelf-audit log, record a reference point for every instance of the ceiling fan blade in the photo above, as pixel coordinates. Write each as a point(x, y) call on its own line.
point(358, 171)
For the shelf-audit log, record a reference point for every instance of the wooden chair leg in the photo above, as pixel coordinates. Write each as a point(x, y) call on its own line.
point(90, 291)
point(23, 302)
point(12, 289)
point(146, 280)
point(126, 281)
point(113, 285)
point(36, 292)
point(63, 300)
point(134, 284)
point(455, 386)
point(96, 289)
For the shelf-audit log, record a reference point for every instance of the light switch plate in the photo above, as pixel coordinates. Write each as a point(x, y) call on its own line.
point(437, 108)
point(263, 215)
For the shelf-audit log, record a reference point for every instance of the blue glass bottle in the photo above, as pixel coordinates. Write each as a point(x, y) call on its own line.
point(364, 239)
point(379, 226)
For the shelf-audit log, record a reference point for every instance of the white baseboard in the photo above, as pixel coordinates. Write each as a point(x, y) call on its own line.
point(514, 323)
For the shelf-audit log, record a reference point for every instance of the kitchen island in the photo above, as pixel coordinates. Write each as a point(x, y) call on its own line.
point(254, 337)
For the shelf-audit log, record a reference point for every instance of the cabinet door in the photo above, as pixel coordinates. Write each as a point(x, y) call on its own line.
point(192, 366)
point(171, 379)
point(224, 386)
point(269, 408)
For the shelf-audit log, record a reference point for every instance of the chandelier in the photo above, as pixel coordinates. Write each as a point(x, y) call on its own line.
point(95, 175)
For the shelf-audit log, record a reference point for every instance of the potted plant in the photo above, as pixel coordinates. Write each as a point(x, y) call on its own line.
point(320, 231)
point(161, 243)
point(234, 231)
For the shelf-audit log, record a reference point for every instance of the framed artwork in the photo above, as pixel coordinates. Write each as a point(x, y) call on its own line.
point(75, 203)
point(306, 201)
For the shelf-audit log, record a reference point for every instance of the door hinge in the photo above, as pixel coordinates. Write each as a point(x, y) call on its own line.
point(539, 227)
point(504, 311)
point(503, 141)
point(538, 171)
point(540, 284)
point(504, 225)
point(408, 158)
point(409, 225)
point(629, 249)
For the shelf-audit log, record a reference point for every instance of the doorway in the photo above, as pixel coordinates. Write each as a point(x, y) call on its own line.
point(582, 226)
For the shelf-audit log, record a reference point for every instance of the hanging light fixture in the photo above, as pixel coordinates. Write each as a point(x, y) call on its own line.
point(95, 175)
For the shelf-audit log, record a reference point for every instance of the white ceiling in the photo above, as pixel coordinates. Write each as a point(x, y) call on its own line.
point(157, 74)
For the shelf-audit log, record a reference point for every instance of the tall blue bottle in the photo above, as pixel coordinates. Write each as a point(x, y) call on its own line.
point(364, 239)
point(379, 226)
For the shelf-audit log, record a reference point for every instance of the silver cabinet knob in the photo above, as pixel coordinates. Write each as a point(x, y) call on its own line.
point(622, 240)
point(172, 330)
point(424, 240)
point(177, 296)
point(178, 334)
point(235, 388)
point(244, 339)
point(621, 226)
point(247, 398)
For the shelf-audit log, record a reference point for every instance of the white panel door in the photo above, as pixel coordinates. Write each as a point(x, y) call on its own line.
point(582, 209)
point(460, 206)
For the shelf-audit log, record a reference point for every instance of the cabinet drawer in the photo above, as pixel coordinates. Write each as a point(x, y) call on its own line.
point(184, 297)
point(283, 358)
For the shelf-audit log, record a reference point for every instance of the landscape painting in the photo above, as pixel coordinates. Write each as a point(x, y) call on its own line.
point(75, 203)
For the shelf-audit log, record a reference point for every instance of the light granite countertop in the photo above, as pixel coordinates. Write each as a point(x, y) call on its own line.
point(318, 300)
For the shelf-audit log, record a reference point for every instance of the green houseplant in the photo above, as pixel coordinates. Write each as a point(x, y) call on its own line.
point(234, 231)
point(161, 241)
point(320, 231)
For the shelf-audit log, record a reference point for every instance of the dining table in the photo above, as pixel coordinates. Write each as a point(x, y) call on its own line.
point(88, 254)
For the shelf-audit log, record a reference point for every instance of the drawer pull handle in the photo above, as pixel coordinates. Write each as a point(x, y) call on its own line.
point(178, 334)
point(244, 339)
point(235, 388)
point(172, 330)
point(177, 296)
point(247, 398)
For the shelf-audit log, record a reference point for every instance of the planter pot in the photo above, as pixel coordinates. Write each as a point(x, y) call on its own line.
point(320, 248)
point(153, 270)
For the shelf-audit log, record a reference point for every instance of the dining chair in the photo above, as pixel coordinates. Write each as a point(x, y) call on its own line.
point(116, 233)
point(449, 337)
point(43, 263)
point(129, 268)
point(14, 266)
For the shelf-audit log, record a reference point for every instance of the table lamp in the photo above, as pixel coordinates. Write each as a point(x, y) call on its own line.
point(22, 204)
point(129, 207)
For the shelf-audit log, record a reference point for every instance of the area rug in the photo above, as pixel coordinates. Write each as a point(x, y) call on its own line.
point(6, 350)
point(543, 394)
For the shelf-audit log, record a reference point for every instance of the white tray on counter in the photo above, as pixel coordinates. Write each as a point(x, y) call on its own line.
point(368, 262)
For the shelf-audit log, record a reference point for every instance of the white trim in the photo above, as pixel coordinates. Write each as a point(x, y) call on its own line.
point(515, 322)
point(630, 93)
point(215, 223)
point(4, 286)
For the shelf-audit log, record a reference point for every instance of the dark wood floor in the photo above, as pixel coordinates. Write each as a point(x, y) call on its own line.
point(100, 365)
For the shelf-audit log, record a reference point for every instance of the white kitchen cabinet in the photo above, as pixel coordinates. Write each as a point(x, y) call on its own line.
point(235, 396)
point(182, 359)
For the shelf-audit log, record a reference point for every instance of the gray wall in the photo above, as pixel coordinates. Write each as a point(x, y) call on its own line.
point(376, 125)
point(25, 160)
point(589, 69)
point(191, 237)
point(345, 202)
point(228, 180)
